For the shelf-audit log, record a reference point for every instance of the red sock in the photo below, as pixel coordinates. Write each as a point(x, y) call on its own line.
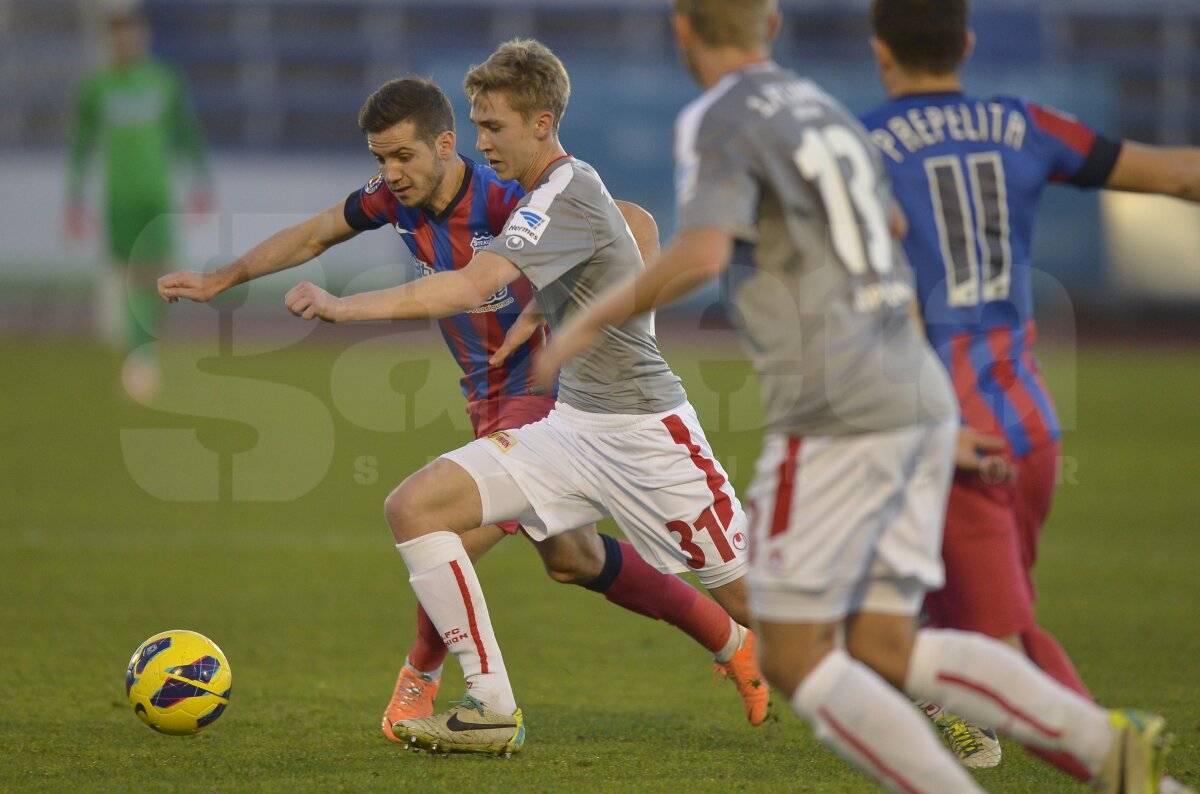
point(428, 651)
point(630, 582)
point(1046, 653)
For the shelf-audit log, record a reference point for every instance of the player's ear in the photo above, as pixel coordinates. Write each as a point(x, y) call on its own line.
point(774, 23)
point(883, 54)
point(968, 46)
point(543, 124)
point(683, 30)
point(445, 144)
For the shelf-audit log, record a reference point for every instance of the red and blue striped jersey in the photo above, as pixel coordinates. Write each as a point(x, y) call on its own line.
point(447, 241)
point(968, 174)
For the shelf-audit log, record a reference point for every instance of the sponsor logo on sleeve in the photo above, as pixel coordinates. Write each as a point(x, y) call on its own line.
point(503, 439)
point(514, 243)
point(374, 184)
point(526, 224)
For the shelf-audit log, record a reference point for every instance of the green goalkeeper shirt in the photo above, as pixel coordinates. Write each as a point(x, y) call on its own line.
point(141, 117)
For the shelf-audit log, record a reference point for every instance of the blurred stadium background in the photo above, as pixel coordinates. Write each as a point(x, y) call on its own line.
point(277, 84)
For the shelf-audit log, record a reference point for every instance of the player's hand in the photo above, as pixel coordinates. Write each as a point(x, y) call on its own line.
point(530, 322)
point(897, 222)
point(306, 300)
point(984, 454)
point(79, 222)
point(190, 284)
point(202, 203)
point(566, 344)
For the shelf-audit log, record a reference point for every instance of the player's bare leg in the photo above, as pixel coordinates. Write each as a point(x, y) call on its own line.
point(428, 513)
point(606, 565)
point(140, 375)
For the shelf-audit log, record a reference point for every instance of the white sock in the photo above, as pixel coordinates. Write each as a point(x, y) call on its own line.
point(867, 722)
point(991, 684)
point(444, 580)
point(737, 638)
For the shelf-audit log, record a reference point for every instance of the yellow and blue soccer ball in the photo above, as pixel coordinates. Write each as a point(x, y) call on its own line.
point(178, 682)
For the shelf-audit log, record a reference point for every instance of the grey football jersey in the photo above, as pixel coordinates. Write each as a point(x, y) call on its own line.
point(818, 288)
point(572, 243)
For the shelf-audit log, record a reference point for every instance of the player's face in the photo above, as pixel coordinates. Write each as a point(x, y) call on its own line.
point(412, 169)
point(505, 137)
point(128, 39)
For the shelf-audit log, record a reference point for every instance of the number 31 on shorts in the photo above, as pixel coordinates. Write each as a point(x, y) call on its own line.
point(706, 522)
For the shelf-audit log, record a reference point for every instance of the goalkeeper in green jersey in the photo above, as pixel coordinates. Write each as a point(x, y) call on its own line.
point(137, 112)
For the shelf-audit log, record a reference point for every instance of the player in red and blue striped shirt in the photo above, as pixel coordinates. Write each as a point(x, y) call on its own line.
point(447, 240)
point(968, 173)
point(445, 207)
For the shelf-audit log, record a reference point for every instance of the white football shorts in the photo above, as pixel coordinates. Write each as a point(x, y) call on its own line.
point(653, 473)
point(847, 524)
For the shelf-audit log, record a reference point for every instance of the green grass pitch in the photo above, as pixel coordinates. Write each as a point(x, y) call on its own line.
point(310, 602)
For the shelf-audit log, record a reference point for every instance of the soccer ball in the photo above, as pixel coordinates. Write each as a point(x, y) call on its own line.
point(178, 682)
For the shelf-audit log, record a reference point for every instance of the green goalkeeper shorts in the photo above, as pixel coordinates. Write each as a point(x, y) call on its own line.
point(142, 233)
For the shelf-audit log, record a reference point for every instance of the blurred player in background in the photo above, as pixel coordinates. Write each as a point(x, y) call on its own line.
point(446, 207)
point(136, 110)
point(850, 491)
point(968, 173)
point(622, 440)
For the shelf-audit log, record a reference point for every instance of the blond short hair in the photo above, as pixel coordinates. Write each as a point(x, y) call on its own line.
point(729, 23)
point(528, 73)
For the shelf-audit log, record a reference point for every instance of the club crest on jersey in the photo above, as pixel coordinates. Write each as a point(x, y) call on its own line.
point(480, 241)
point(526, 224)
point(374, 184)
point(503, 439)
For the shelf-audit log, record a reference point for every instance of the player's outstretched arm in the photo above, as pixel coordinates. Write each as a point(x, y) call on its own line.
point(1157, 169)
point(440, 295)
point(288, 248)
point(696, 256)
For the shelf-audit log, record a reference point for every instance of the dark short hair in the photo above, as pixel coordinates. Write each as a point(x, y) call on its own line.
point(412, 99)
point(729, 23)
point(925, 35)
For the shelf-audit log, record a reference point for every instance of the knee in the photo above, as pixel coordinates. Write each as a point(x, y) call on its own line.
point(565, 573)
point(873, 648)
point(402, 512)
point(783, 677)
point(885, 652)
point(785, 664)
point(570, 562)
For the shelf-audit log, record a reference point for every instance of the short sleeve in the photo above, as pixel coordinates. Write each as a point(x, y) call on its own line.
point(1078, 155)
point(369, 207)
point(546, 244)
point(715, 183)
